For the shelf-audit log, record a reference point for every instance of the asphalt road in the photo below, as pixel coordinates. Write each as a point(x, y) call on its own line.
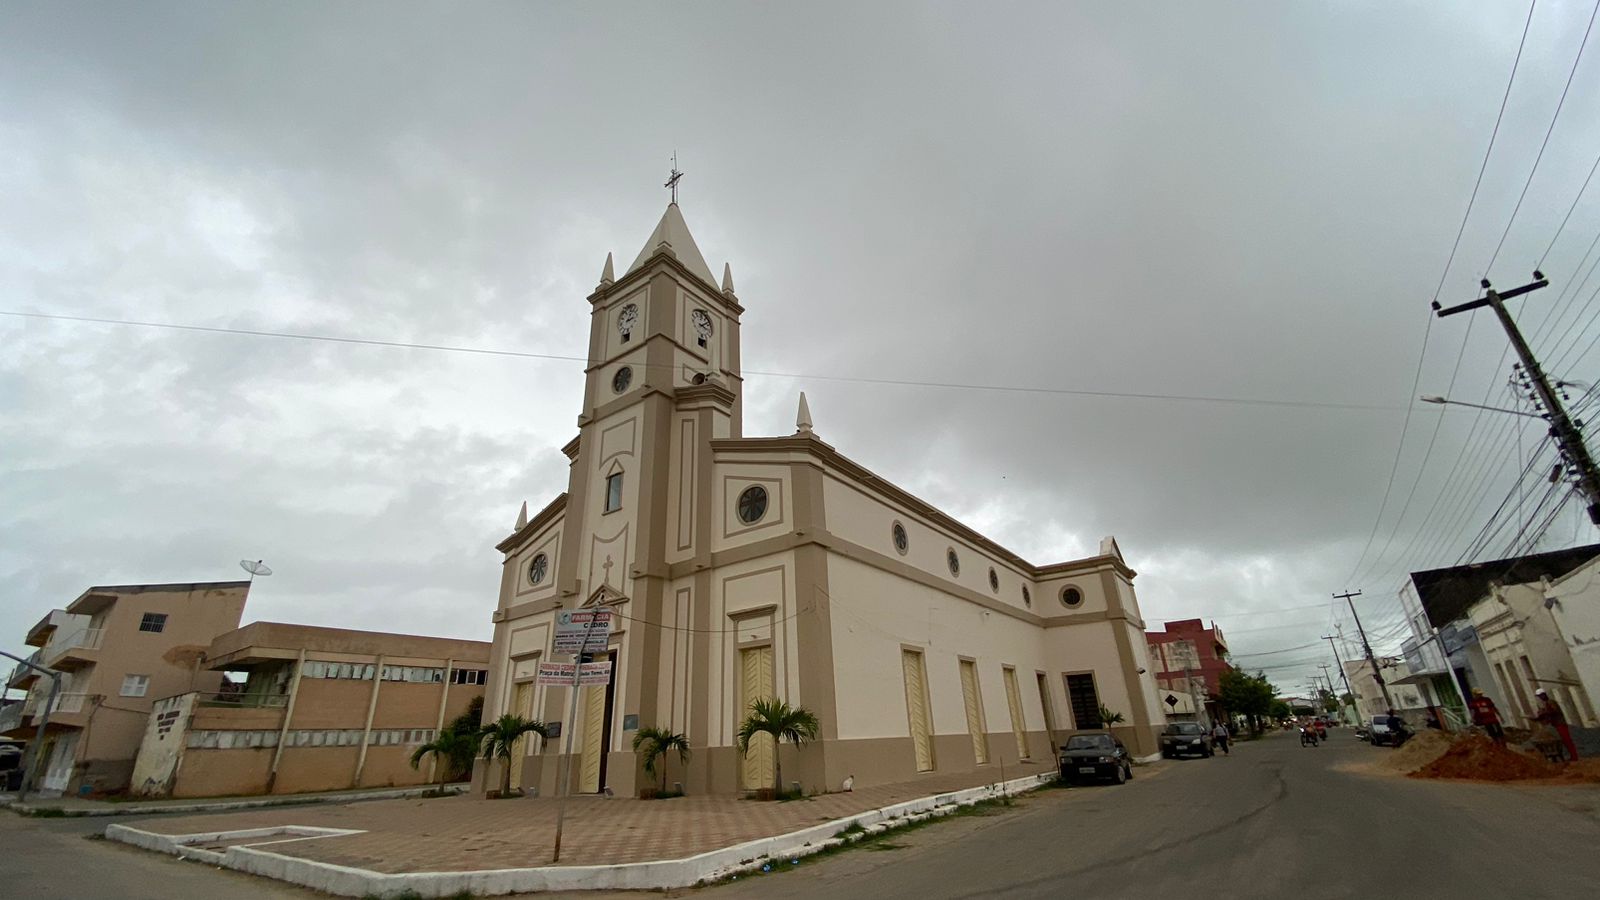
point(1272, 820)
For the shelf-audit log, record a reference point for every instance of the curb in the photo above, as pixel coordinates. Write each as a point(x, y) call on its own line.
point(690, 871)
point(144, 809)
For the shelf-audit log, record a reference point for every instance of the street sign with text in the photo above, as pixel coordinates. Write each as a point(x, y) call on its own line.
point(580, 629)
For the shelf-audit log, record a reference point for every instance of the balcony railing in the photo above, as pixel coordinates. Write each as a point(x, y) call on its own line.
point(242, 701)
point(83, 638)
point(23, 673)
point(69, 703)
point(11, 716)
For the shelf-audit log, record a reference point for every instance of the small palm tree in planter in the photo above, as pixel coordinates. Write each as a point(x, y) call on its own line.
point(655, 744)
point(499, 738)
point(448, 748)
point(794, 724)
point(1109, 718)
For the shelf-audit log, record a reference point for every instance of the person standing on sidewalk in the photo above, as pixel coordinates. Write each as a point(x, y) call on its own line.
point(1486, 716)
point(1219, 738)
point(1550, 714)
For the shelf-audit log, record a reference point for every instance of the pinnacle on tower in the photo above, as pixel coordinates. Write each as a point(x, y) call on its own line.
point(522, 517)
point(727, 278)
point(802, 421)
point(608, 274)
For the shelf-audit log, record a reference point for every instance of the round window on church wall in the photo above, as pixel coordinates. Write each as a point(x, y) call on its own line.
point(901, 542)
point(954, 561)
point(1027, 598)
point(1071, 597)
point(752, 504)
point(538, 568)
point(994, 580)
point(621, 380)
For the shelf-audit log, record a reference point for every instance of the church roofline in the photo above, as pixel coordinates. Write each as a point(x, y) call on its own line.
point(870, 480)
point(540, 520)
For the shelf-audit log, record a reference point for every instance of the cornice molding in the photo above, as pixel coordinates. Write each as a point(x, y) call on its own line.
point(870, 481)
point(549, 514)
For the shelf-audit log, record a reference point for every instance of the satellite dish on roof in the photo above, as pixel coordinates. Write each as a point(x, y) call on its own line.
point(255, 567)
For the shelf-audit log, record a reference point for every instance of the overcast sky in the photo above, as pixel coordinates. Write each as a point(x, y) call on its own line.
point(1231, 200)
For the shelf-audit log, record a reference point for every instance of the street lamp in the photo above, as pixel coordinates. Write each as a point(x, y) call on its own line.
point(1434, 398)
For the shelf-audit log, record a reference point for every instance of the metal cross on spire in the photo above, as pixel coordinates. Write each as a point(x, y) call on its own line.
point(672, 182)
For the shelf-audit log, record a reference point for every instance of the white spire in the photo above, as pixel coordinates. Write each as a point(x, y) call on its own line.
point(672, 232)
point(608, 274)
point(522, 517)
point(727, 278)
point(802, 421)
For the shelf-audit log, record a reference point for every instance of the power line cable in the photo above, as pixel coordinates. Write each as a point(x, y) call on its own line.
point(1548, 131)
point(1562, 227)
point(521, 354)
point(1439, 288)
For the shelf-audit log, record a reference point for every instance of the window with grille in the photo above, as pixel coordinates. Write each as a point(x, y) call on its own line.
point(153, 622)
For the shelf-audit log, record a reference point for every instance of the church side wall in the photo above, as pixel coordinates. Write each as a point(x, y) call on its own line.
point(875, 616)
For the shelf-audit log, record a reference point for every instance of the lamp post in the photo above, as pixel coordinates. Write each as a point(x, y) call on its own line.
point(1445, 401)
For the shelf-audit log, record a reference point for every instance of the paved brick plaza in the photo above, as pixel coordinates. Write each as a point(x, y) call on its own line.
point(455, 834)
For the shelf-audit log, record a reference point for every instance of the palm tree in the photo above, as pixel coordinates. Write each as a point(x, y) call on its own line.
point(499, 738)
point(449, 749)
point(1109, 718)
point(656, 743)
point(796, 724)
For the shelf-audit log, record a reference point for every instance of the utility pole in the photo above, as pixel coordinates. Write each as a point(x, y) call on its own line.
point(1371, 660)
point(1342, 676)
point(1568, 438)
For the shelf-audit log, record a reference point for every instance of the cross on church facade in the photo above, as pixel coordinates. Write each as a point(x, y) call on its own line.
point(607, 567)
point(672, 180)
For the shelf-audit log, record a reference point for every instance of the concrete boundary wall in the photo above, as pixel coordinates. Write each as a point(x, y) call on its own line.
point(654, 875)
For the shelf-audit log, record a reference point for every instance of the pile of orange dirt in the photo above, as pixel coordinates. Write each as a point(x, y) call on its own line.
point(1475, 757)
point(1424, 747)
point(1584, 771)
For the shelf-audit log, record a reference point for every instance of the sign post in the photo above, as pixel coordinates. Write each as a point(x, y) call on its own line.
point(575, 632)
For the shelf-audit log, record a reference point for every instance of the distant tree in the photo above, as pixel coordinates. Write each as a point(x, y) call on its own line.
point(1279, 709)
point(1250, 696)
point(471, 719)
point(794, 724)
point(499, 738)
point(1326, 700)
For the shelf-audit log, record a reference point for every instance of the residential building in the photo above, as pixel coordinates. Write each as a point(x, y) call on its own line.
point(118, 648)
point(305, 708)
point(748, 567)
point(1189, 659)
point(1502, 627)
point(1405, 698)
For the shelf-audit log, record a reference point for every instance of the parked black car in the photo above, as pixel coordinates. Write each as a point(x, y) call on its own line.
point(1097, 755)
point(1182, 738)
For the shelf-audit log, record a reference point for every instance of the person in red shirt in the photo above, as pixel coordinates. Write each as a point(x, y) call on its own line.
point(1486, 716)
point(1551, 714)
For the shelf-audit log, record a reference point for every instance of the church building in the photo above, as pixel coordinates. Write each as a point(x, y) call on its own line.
point(740, 568)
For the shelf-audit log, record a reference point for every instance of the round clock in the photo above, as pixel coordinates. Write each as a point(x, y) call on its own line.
point(702, 324)
point(627, 319)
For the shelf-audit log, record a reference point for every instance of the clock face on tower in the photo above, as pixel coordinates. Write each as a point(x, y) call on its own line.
point(702, 325)
point(626, 321)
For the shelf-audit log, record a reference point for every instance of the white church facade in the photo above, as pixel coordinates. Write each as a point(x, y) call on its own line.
point(746, 567)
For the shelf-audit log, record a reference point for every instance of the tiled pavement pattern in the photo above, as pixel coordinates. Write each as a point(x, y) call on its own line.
point(454, 834)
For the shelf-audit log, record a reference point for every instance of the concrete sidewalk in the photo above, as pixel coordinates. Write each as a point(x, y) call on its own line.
point(77, 806)
point(439, 846)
